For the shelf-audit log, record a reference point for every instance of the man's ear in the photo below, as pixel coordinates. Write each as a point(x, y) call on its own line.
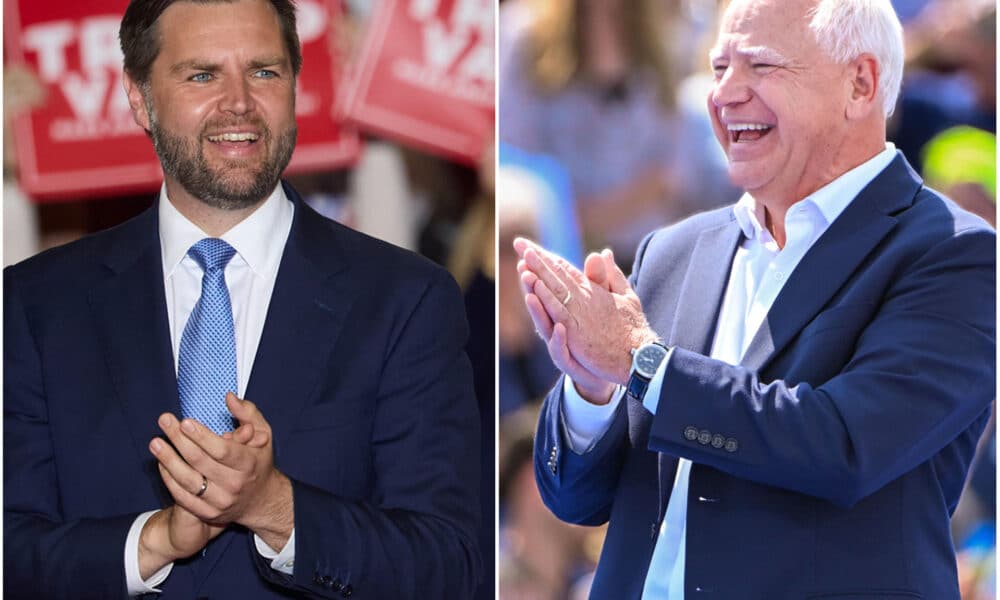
point(136, 101)
point(863, 87)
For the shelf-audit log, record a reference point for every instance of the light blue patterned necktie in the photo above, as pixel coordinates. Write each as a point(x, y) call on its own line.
point(206, 365)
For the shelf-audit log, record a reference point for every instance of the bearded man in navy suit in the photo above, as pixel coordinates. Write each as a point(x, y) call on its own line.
point(784, 398)
point(349, 473)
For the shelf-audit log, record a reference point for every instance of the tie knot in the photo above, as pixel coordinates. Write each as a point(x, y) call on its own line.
point(212, 253)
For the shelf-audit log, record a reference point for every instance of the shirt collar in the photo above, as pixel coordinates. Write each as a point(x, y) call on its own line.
point(258, 239)
point(831, 199)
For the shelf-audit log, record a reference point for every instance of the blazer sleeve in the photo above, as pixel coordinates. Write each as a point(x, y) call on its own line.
point(921, 375)
point(416, 537)
point(580, 488)
point(45, 555)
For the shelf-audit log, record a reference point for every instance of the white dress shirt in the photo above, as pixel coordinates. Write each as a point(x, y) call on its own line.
point(259, 241)
point(760, 269)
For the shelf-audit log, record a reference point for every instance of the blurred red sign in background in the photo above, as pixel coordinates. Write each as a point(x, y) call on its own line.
point(82, 141)
point(425, 76)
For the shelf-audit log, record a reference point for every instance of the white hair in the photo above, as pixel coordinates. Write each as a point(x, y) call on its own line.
point(845, 29)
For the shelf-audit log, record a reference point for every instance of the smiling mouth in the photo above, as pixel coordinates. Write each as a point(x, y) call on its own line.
point(747, 132)
point(234, 138)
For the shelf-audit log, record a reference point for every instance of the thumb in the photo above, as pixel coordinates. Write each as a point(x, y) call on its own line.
point(244, 411)
point(595, 270)
point(617, 281)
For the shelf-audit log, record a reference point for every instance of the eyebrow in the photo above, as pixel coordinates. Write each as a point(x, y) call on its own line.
point(210, 67)
point(754, 53)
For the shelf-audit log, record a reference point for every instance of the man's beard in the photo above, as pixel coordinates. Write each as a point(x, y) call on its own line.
point(233, 185)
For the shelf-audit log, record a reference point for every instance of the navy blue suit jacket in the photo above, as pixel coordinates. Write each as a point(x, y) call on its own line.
point(360, 372)
point(827, 464)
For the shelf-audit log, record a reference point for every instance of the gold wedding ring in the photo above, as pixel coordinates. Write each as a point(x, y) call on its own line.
point(204, 486)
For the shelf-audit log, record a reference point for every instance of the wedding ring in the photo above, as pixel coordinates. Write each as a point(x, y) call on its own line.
point(204, 486)
point(569, 296)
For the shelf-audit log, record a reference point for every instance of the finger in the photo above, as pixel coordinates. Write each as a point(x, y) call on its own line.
point(246, 412)
point(616, 278)
point(182, 443)
point(168, 459)
point(260, 439)
point(593, 269)
point(521, 244)
point(198, 506)
point(241, 435)
point(540, 318)
point(527, 279)
point(553, 305)
point(210, 447)
point(546, 272)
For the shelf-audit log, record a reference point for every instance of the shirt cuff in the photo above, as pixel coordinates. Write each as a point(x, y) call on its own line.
point(585, 423)
point(651, 401)
point(284, 561)
point(133, 578)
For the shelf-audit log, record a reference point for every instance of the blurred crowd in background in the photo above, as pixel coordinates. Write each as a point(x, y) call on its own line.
point(428, 203)
point(604, 136)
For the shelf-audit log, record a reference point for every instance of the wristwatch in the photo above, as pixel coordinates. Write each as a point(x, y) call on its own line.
point(646, 359)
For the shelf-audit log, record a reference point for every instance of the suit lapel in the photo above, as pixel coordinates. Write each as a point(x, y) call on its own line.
point(131, 314)
point(697, 312)
point(832, 259)
point(311, 300)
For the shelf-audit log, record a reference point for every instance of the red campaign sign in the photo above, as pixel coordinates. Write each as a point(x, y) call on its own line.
point(83, 143)
point(425, 76)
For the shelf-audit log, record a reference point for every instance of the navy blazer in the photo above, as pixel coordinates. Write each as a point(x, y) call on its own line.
point(826, 464)
point(360, 371)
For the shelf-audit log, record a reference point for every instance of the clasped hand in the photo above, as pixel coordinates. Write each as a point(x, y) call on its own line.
point(241, 482)
point(590, 320)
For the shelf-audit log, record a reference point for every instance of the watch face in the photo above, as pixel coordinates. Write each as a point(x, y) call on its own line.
point(648, 359)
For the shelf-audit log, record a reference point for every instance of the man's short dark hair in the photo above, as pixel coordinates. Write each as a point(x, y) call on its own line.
point(140, 37)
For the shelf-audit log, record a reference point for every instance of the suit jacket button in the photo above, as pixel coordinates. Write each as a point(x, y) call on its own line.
point(317, 578)
point(690, 433)
point(347, 591)
point(327, 581)
point(718, 441)
point(704, 437)
point(337, 585)
point(732, 445)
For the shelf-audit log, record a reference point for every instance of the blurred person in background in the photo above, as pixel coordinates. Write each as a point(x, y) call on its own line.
point(348, 471)
point(22, 91)
point(540, 556)
point(804, 374)
point(593, 85)
point(950, 77)
point(525, 369)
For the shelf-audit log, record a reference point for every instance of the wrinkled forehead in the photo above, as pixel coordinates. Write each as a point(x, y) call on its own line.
point(764, 29)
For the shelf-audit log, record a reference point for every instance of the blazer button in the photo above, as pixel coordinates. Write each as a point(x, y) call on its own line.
point(337, 585)
point(327, 581)
point(732, 445)
point(718, 441)
point(317, 578)
point(347, 591)
point(690, 433)
point(704, 437)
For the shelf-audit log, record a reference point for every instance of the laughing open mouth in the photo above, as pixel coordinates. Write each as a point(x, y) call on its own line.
point(747, 132)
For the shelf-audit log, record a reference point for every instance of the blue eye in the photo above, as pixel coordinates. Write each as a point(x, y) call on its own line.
point(201, 77)
point(265, 74)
